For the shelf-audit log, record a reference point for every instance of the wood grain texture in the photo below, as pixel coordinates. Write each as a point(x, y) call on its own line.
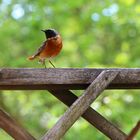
point(13, 128)
point(92, 116)
point(80, 105)
point(37, 79)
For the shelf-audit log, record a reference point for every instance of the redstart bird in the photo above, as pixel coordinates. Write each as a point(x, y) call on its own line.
point(50, 48)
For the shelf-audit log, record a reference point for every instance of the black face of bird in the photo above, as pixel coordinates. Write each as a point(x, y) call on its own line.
point(50, 33)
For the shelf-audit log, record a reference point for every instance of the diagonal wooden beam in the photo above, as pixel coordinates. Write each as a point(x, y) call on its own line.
point(134, 131)
point(93, 117)
point(80, 105)
point(13, 128)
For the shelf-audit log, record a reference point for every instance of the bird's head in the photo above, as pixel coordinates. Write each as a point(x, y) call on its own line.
point(50, 33)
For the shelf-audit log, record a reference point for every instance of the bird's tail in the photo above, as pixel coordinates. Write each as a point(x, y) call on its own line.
point(31, 57)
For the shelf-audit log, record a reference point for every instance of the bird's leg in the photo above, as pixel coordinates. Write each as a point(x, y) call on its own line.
point(51, 63)
point(44, 63)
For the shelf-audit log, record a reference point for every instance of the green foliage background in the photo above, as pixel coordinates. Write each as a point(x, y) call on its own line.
point(96, 33)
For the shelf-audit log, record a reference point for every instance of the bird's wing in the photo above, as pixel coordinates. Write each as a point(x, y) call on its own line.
point(41, 48)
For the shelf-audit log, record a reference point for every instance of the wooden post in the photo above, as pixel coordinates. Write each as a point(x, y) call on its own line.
point(93, 117)
point(80, 105)
point(12, 128)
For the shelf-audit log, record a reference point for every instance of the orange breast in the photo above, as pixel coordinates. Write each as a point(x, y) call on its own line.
point(53, 48)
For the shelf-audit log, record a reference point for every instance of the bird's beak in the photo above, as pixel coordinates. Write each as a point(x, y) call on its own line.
point(43, 30)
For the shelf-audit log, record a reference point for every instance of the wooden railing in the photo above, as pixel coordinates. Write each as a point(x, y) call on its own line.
point(59, 82)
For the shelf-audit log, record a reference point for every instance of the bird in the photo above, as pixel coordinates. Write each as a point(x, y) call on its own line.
point(50, 48)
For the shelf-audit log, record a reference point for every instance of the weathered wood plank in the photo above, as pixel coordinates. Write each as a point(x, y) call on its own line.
point(92, 116)
point(80, 105)
point(13, 128)
point(64, 78)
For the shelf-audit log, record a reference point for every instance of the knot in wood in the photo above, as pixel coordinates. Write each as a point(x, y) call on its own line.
point(0, 74)
point(106, 78)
